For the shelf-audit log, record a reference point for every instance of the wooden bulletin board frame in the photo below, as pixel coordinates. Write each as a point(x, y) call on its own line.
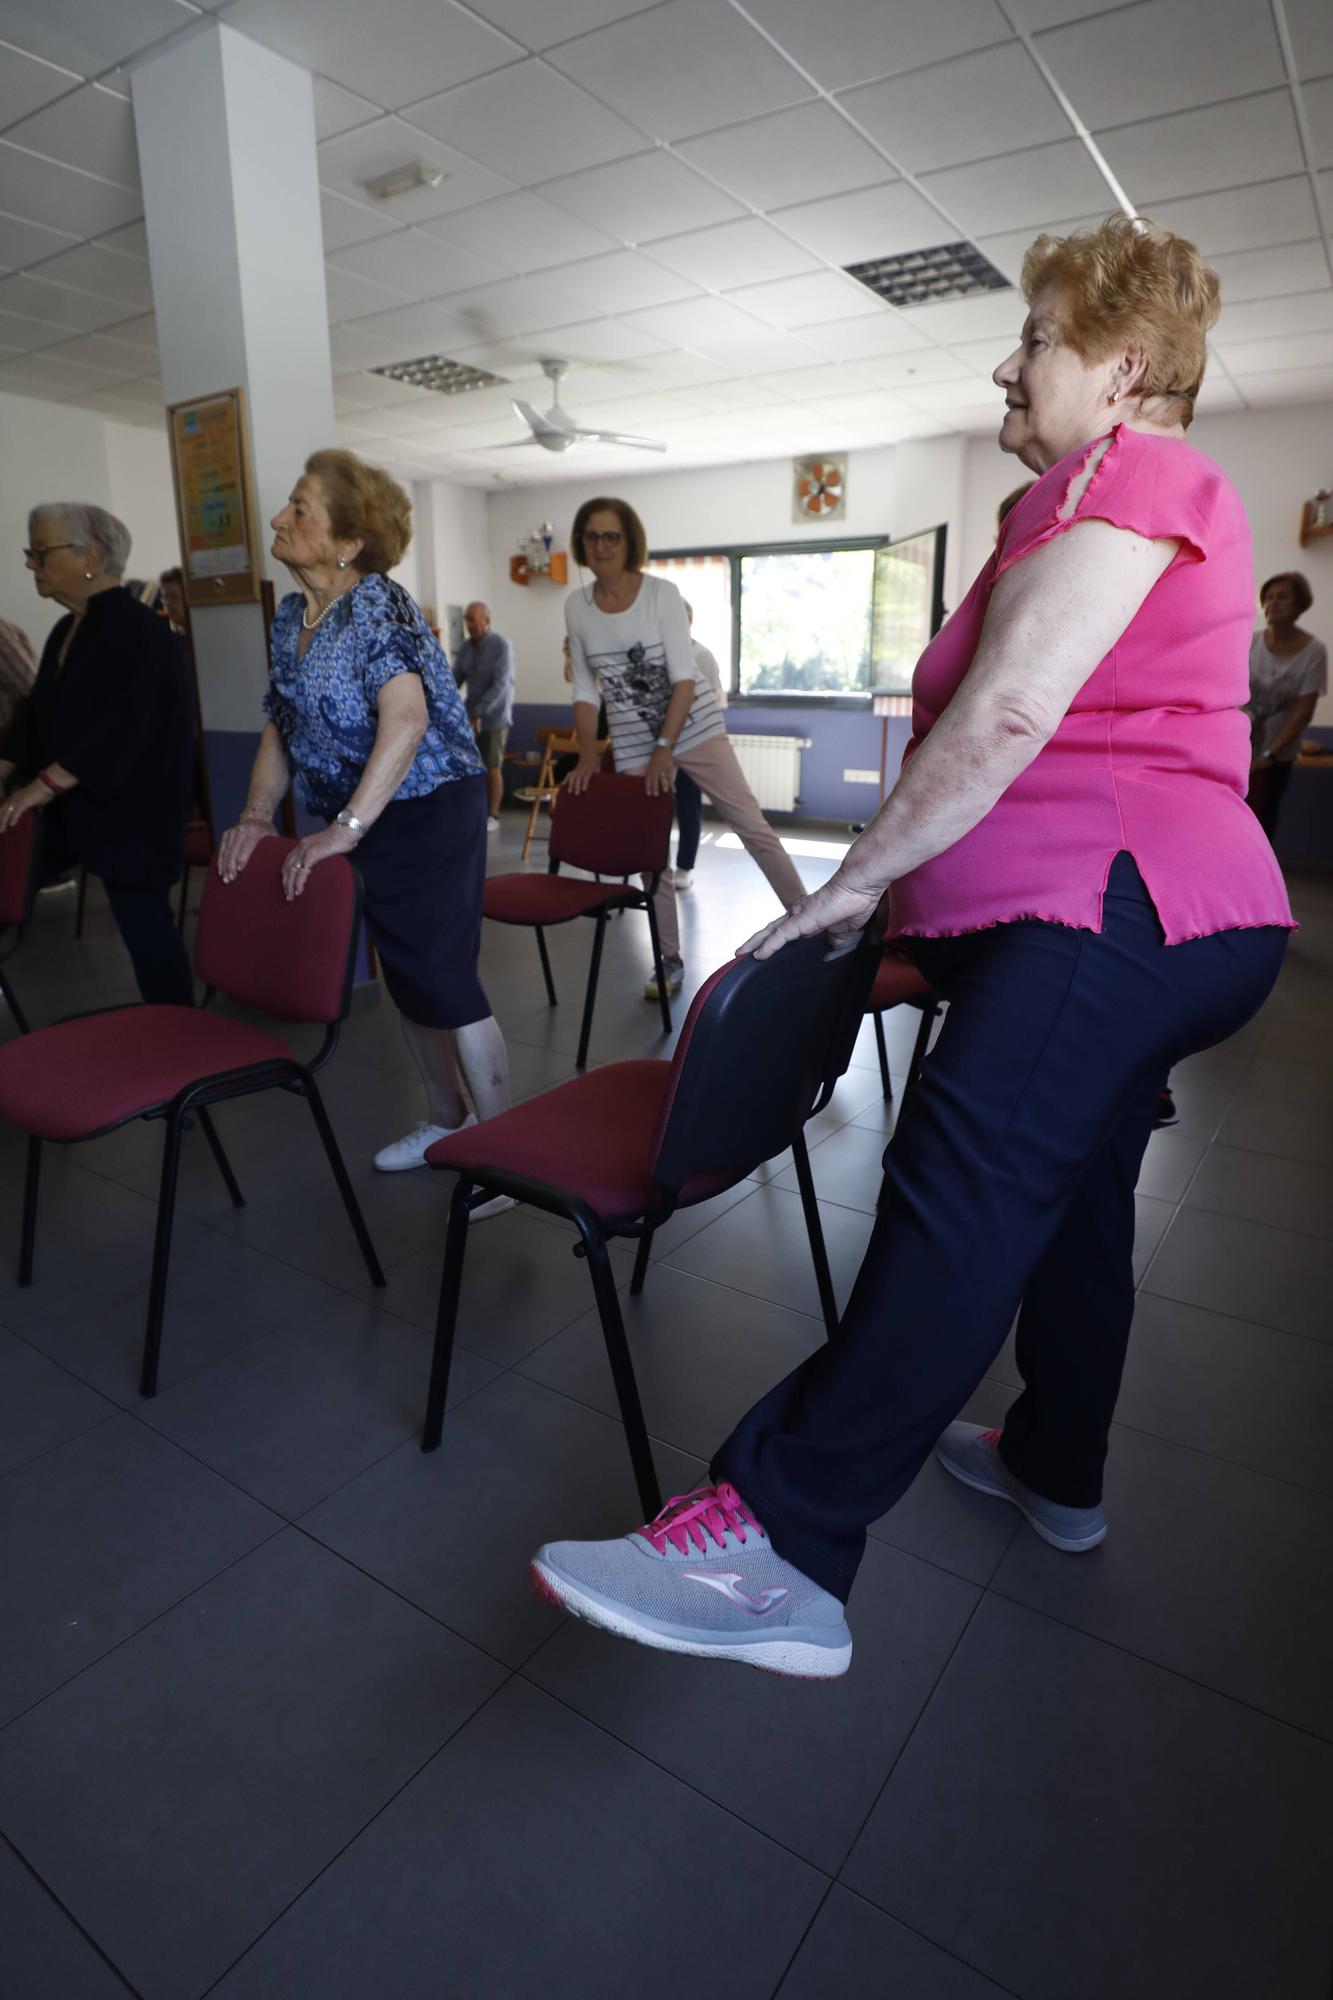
point(209, 438)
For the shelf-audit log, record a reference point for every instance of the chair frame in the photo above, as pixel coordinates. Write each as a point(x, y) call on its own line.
point(10, 944)
point(595, 1233)
point(193, 1100)
point(930, 1005)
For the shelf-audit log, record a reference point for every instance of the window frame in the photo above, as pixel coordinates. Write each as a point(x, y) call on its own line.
point(811, 698)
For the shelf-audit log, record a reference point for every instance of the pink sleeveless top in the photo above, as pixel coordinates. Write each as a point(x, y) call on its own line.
point(1153, 755)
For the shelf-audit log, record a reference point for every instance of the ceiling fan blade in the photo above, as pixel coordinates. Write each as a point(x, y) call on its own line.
point(621, 437)
point(539, 425)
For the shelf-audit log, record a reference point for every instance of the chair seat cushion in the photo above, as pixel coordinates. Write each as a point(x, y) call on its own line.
point(552, 899)
point(85, 1076)
point(896, 981)
point(592, 1137)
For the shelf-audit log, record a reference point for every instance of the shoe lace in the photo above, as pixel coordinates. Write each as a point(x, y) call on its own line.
point(689, 1519)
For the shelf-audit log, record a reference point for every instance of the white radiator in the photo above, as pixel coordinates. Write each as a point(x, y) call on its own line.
point(772, 767)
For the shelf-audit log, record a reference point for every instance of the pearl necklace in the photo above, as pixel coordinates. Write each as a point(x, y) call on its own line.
point(309, 624)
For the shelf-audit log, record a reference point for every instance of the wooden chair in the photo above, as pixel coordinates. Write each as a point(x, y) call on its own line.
point(555, 743)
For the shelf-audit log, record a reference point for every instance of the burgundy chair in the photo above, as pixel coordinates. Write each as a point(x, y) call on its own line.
point(19, 850)
point(619, 1150)
point(93, 1073)
point(613, 828)
point(899, 984)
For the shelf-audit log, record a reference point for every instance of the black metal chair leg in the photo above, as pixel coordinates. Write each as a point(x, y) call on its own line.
point(11, 999)
point(28, 1236)
point(828, 1303)
point(335, 1159)
point(622, 1374)
point(82, 899)
point(928, 1012)
point(157, 1289)
point(185, 897)
point(229, 1181)
point(590, 997)
point(546, 966)
point(644, 1252)
point(663, 997)
point(446, 1317)
point(883, 1054)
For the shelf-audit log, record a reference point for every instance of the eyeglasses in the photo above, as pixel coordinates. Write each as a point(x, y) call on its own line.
point(610, 539)
point(38, 556)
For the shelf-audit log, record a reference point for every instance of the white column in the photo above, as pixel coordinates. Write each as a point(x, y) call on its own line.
point(231, 199)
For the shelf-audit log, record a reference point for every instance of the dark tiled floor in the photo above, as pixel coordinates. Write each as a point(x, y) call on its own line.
point(279, 1717)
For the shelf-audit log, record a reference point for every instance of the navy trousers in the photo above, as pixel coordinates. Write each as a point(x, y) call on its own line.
point(1009, 1189)
point(689, 820)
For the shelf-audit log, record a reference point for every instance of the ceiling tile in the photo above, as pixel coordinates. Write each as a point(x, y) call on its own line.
point(347, 222)
point(395, 52)
point(419, 266)
point(794, 155)
point(26, 83)
point(39, 190)
point(338, 110)
point(1039, 14)
point(20, 330)
point(993, 101)
point(61, 305)
point(1261, 357)
point(985, 355)
point(918, 365)
point(1291, 385)
point(744, 252)
point(713, 327)
point(141, 332)
point(401, 335)
point(376, 391)
point(526, 232)
point(514, 305)
point(621, 282)
point(1007, 251)
point(651, 195)
point(682, 68)
point(527, 123)
point(874, 222)
point(1247, 218)
point(1022, 187)
point(1218, 146)
point(354, 297)
point(842, 42)
point(88, 38)
point(28, 242)
point(1166, 56)
point(798, 302)
point(1259, 319)
point(1311, 27)
point(995, 315)
point(347, 163)
point(809, 385)
point(874, 335)
point(591, 341)
point(964, 392)
point(66, 375)
point(1318, 98)
point(103, 271)
point(131, 241)
point(1268, 273)
point(1219, 393)
point(108, 352)
point(91, 129)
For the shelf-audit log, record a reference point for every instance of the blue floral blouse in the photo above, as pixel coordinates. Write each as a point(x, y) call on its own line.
point(323, 704)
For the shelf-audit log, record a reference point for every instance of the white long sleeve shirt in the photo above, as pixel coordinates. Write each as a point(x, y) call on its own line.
point(632, 660)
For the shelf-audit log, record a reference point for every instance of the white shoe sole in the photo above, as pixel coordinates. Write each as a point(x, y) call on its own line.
point(772, 1656)
point(1070, 1545)
point(499, 1204)
point(398, 1166)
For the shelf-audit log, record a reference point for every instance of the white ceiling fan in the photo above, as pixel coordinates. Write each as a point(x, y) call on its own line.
point(557, 431)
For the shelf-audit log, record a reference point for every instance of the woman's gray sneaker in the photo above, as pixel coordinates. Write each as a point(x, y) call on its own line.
point(972, 1455)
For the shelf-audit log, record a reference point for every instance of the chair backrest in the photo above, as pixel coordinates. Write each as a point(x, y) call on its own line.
point(763, 1043)
point(18, 871)
point(612, 828)
point(292, 960)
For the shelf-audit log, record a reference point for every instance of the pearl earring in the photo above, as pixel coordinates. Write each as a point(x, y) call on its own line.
point(1114, 396)
point(342, 562)
point(87, 576)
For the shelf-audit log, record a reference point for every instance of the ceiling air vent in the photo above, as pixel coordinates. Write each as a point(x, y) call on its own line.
point(437, 372)
point(924, 277)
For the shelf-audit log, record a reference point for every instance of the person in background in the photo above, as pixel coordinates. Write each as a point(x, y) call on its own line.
point(364, 713)
point(630, 644)
point(105, 739)
point(1071, 860)
point(1288, 673)
point(484, 670)
point(689, 799)
point(1009, 502)
point(18, 666)
point(171, 600)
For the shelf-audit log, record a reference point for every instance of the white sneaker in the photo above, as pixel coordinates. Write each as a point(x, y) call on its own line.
point(674, 972)
point(411, 1151)
point(497, 1205)
point(683, 878)
point(492, 823)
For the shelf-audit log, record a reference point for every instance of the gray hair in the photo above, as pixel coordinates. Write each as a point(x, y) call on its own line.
point(88, 527)
point(478, 604)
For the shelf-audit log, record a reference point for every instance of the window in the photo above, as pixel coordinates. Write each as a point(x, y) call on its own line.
point(815, 620)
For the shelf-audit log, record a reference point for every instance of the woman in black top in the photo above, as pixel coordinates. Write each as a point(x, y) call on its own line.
point(103, 746)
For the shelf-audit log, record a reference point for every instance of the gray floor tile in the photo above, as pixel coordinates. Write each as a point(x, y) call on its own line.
point(454, 1530)
point(1291, 1131)
point(1152, 1218)
point(537, 1855)
point(1073, 1821)
point(702, 1354)
point(181, 1793)
point(1245, 1393)
point(836, 1751)
point(1210, 1569)
point(1271, 1277)
point(944, 1521)
point(1283, 1080)
point(1286, 1194)
point(761, 1247)
point(40, 1405)
point(99, 1537)
point(847, 1168)
point(305, 1408)
point(855, 1952)
point(43, 1956)
point(1171, 1160)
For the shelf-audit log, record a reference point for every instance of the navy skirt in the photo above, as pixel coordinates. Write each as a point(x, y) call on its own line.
point(423, 867)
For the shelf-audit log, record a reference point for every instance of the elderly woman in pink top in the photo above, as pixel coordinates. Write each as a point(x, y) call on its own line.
point(1073, 865)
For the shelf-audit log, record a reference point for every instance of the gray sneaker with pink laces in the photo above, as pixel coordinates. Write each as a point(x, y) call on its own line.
point(973, 1455)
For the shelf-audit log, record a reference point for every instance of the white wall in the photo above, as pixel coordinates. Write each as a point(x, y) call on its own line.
point(897, 491)
point(141, 494)
point(48, 452)
point(452, 550)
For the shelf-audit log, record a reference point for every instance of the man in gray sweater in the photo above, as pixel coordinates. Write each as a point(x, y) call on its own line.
point(484, 670)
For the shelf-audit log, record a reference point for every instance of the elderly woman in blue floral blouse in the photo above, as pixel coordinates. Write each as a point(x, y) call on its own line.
point(363, 712)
